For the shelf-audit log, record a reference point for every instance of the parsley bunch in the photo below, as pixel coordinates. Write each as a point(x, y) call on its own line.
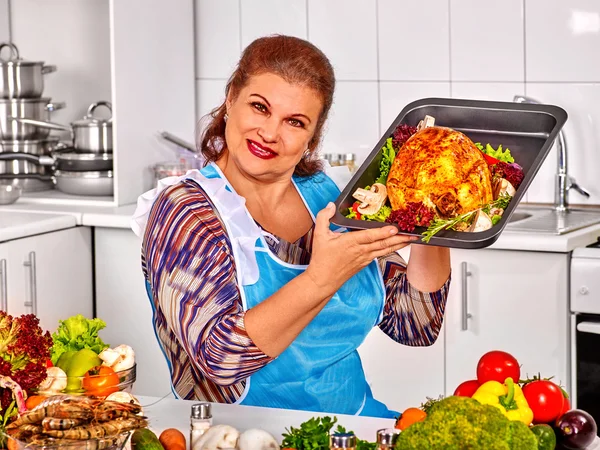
point(314, 435)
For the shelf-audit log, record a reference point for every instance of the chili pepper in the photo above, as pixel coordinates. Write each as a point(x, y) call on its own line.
point(507, 397)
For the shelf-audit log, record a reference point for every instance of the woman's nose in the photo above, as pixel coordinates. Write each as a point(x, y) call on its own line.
point(269, 129)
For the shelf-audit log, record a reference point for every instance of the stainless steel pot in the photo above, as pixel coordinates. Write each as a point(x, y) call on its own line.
point(29, 183)
point(89, 134)
point(32, 108)
point(22, 167)
point(66, 160)
point(20, 78)
point(33, 147)
point(84, 183)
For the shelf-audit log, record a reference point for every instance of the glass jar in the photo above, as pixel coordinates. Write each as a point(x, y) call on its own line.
point(350, 161)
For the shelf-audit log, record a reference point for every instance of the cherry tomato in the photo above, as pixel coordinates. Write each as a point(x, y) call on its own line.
point(49, 363)
point(467, 388)
point(490, 160)
point(408, 417)
point(545, 399)
point(498, 366)
point(100, 381)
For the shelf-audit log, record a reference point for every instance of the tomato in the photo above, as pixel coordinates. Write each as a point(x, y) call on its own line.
point(410, 416)
point(100, 381)
point(467, 388)
point(490, 160)
point(566, 406)
point(498, 366)
point(545, 399)
point(355, 206)
point(49, 363)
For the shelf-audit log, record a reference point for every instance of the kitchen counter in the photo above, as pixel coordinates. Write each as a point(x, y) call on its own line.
point(119, 217)
point(171, 413)
point(167, 412)
point(16, 224)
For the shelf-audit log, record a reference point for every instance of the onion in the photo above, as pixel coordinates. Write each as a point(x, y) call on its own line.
point(576, 429)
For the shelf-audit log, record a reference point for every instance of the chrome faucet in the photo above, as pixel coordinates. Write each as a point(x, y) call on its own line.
point(564, 182)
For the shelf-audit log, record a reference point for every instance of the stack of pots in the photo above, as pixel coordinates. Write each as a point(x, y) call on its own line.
point(22, 145)
point(86, 166)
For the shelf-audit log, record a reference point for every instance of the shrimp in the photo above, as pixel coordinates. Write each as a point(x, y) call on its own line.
point(52, 423)
point(59, 407)
point(104, 429)
point(109, 410)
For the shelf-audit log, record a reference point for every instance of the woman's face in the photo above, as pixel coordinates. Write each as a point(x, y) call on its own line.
point(270, 125)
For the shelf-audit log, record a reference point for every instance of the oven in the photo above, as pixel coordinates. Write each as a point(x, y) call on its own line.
point(585, 329)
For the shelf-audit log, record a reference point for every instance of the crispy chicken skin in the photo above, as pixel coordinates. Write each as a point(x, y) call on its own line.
point(443, 169)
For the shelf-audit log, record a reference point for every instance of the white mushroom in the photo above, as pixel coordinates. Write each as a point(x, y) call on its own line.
point(126, 358)
point(428, 121)
point(503, 186)
point(481, 222)
point(371, 200)
point(256, 439)
point(218, 437)
point(123, 397)
point(56, 381)
point(109, 356)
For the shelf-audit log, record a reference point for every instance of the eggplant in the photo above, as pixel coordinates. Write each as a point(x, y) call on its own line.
point(576, 430)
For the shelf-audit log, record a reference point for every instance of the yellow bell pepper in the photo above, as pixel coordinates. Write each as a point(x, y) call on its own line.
point(507, 397)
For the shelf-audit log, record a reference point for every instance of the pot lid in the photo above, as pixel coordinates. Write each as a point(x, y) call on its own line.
point(90, 121)
point(14, 58)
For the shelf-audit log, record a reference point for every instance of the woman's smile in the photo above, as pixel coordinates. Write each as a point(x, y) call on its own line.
point(260, 151)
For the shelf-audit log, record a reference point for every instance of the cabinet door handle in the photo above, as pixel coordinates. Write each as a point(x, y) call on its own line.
point(3, 287)
point(32, 283)
point(465, 299)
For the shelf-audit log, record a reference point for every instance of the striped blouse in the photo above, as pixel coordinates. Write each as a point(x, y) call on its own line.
point(199, 318)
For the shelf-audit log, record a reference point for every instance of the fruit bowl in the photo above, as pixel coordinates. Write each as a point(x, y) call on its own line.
point(116, 442)
point(100, 385)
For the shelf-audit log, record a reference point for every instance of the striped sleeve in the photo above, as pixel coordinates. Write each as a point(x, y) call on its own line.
point(191, 270)
point(410, 317)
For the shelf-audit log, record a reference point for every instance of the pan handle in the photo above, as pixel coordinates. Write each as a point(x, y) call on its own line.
point(48, 69)
point(175, 140)
point(93, 106)
point(41, 123)
point(14, 51)
point(42, 160)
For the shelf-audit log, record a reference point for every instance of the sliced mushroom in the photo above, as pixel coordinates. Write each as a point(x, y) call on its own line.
point(496, 212)
point(428, 121)
point(371, 200)
point(503, 186)
point(481, 222)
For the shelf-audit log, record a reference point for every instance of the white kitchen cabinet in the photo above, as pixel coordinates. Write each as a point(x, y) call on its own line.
point(122, 302)
point(49, 275)
point(512, 301)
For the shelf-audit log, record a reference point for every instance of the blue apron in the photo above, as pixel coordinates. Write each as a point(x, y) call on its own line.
point(321, 370)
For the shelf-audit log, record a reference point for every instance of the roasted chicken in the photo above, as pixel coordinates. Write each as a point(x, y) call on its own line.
point(443, 169)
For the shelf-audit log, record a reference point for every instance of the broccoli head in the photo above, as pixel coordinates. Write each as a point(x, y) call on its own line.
point(463, 423)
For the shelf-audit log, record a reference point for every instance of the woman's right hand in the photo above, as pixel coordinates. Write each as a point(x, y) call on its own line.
point(336, 257)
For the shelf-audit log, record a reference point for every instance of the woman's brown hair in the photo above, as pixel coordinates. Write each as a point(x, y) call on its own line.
point(296, 61)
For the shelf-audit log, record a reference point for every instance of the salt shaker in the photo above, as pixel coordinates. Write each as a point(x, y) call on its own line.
point(342, 441)
point(386, 438)
point(200, 421)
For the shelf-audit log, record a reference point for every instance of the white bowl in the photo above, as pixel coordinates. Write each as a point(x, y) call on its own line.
point(9, 193)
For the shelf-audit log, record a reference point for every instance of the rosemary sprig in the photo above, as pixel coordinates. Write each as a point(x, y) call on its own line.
point(447, 224)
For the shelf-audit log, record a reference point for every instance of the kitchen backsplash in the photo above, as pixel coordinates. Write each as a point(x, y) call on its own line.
point(387, 53)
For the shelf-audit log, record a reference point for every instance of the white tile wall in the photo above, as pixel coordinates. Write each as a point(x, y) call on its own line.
point(385, 58)
point(4, 23)
point(562, 40)
point(400, 27)
point(48, 31)
point(486, 40)
point(347, 33)
point(264, 17)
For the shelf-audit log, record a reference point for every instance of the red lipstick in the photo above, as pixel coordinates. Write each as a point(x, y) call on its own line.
point(259, 151)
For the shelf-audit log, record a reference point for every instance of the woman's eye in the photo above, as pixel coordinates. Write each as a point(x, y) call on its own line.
point(296, 123)
point(259, 106)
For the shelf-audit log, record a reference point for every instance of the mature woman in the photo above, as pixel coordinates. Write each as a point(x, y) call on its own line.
point(257, 300)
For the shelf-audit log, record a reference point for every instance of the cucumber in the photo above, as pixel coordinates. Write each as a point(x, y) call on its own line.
point(145, 439)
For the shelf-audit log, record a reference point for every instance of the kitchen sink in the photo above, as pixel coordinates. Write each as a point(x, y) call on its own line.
point(550, 221)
